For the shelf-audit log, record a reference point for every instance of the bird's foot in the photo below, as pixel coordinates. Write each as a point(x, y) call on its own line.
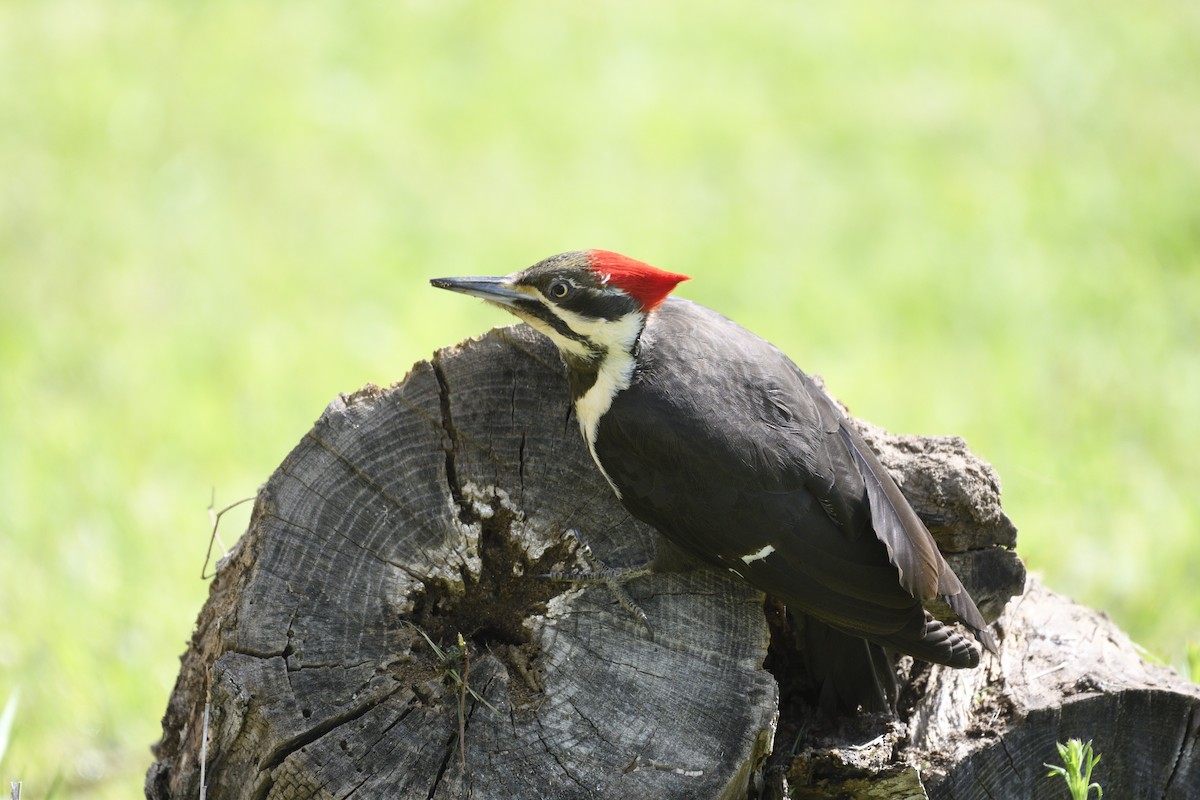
point(611, 577)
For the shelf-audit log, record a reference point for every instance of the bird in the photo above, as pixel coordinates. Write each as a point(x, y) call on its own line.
point(740, 460)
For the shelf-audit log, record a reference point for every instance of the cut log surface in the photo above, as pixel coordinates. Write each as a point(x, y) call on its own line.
point(328, 661)
point(432, 509)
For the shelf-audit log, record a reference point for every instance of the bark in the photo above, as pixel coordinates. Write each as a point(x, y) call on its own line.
point(328, 661)
point(1064, 671)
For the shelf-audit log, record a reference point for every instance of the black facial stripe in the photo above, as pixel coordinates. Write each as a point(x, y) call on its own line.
point(600, 305)
point(534, 308)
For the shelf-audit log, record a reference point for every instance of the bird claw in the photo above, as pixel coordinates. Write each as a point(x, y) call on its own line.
point(611, 577)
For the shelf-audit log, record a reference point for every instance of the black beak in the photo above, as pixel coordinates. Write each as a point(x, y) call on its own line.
point(495, 290)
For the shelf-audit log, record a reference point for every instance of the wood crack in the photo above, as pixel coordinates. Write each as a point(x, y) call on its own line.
point(541, 734)
point(595, 728)
point(1011, 764)
point(295, 743)
point(1187, 738)
point(441, 773)
point(452, 444)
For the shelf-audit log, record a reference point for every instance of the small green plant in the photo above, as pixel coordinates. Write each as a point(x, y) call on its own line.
point(1077, 772)
point(1193, 660)
point(450, 658)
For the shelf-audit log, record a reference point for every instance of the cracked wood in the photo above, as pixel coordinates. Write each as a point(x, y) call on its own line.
point(437, 504)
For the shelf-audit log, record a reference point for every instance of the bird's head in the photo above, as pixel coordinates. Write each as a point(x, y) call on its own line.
point(586, 301)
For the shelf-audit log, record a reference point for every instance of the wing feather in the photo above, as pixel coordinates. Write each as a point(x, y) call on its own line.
point(910, 547)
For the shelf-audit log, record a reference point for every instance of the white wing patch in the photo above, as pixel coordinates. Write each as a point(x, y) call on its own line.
point(759, 554)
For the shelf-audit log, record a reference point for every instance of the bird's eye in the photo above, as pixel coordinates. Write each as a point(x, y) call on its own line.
point(560, 289)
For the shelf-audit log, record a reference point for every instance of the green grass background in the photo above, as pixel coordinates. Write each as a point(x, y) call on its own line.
point(978, 219)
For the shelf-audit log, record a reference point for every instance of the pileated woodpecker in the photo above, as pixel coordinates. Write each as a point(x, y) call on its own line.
point(715, 438)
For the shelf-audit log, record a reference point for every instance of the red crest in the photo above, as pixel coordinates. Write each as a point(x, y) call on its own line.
point(649, 285)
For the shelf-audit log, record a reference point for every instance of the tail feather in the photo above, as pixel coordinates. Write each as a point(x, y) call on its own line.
point(961, 604)
point(924, 573)
point(936, 642)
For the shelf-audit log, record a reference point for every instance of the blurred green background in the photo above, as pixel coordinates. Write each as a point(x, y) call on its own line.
point(978, 219)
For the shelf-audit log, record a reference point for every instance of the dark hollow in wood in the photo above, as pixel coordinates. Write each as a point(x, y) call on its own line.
point(328, 656)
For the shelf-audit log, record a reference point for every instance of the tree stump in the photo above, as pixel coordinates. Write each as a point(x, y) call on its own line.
point(383, 629)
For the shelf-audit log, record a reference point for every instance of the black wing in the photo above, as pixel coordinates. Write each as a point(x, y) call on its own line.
point(780, 489)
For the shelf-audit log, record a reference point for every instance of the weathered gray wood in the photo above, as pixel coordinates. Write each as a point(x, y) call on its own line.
point(436, 505)
point(1064, 671)
point(433, 506)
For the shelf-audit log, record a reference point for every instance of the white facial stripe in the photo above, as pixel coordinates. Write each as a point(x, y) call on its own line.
point(616, 370)
point(759, 555)
point(616, 338)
